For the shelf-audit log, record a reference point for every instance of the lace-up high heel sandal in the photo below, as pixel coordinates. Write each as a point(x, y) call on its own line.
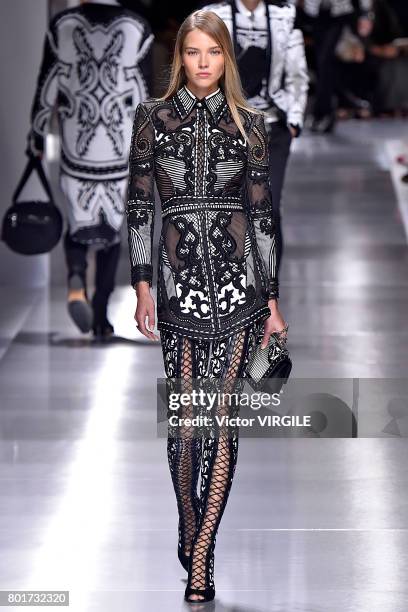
point(207, 593)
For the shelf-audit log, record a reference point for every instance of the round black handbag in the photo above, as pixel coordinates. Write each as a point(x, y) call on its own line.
point(32, 227)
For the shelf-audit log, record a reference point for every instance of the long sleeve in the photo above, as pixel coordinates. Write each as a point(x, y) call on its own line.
point(145, 59)
point(140, 208)
point(45, 94)
point(260, 202)
point(296, 78)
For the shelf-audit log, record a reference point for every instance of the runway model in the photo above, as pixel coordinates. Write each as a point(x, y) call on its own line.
point(270, 54)
point(207, 151)
point(95, 69)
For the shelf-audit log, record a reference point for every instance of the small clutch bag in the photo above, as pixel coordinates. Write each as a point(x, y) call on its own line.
point(270, 367)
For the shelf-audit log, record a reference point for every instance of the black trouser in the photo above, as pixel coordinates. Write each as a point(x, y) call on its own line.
point(326, 34)
point(279, 148)
point(107, 260)
point(354, 78)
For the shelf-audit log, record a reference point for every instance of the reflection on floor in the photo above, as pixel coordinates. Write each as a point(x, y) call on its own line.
point(86, 500)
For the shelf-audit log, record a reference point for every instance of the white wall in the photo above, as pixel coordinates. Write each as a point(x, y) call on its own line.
point(22, 27)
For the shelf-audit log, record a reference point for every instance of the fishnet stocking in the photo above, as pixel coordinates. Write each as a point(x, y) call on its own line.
point(218, 467)
point(184, 456)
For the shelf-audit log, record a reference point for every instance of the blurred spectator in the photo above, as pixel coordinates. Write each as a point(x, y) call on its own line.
point(328, 18)
point(96, 68)
point(400, 8)
point(388, 56)
point(374, 74)
point(353, 77)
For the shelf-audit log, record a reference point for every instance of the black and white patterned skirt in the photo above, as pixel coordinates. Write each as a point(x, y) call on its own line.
point(222, 361)
point(95, 209)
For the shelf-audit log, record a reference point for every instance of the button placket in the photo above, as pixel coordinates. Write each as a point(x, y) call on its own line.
point(201, 137)
point(201, 161)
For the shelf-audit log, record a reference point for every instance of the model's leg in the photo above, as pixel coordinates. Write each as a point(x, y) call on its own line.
point(279, 147)
point(107, 260)
point(218, 466)
point(326, 34)
point(184, 443)
point(76, 261)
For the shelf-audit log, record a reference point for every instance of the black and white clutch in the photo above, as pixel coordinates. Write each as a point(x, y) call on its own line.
point(269, 368)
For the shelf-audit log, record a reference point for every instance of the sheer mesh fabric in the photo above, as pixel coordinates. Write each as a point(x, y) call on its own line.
point(140, 208)
point(218, 468)
point(209, 453)
point(184, 455)
point(171, 240)
point(141, 162)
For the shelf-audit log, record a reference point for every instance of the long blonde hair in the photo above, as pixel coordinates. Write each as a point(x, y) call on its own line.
point(230, 82)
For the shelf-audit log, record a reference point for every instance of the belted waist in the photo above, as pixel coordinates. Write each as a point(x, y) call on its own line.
point(190, 203)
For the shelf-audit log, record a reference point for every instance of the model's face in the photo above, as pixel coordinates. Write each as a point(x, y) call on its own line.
point(203, 61)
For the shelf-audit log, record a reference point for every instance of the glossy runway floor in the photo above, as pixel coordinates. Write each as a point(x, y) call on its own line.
point(312, 525)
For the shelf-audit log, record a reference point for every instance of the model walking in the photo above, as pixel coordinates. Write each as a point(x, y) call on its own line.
point(96, 69)
point(207, 151)
point(271, 60)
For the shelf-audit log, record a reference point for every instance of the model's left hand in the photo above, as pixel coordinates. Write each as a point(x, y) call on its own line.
point(293, 131)
point(275, 323)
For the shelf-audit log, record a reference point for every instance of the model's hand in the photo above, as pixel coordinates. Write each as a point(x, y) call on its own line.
point(293, 131)
point(145, 308)
point(275, 323)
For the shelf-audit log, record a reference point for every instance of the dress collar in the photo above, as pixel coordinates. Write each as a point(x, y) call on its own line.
point(184, 101)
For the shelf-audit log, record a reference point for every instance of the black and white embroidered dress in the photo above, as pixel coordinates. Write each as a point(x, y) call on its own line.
point(216, 268)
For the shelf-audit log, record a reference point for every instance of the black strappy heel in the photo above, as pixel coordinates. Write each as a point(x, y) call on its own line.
point(208, 593)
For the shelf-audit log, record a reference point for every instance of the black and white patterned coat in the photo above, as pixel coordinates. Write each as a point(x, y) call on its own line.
point(96, 66)
point(288, 80)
